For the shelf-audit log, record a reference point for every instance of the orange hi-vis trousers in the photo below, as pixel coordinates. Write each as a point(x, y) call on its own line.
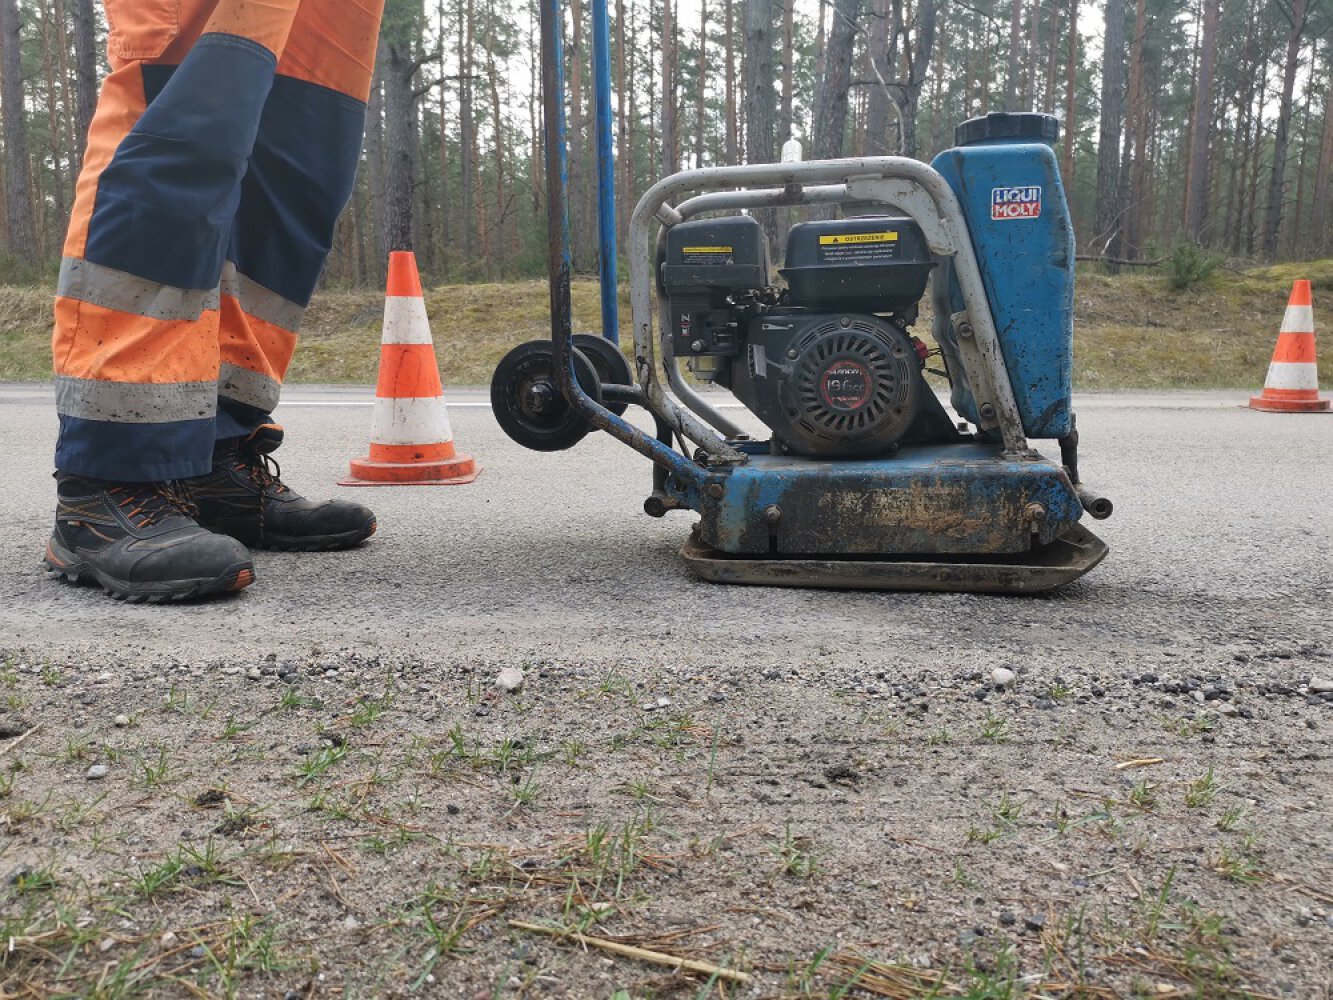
point(223, 149)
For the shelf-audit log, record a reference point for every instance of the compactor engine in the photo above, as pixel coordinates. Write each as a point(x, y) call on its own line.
point(829, 363)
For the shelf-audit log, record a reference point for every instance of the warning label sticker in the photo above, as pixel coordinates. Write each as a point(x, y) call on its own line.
point(706, 255)
point(858, 248)
point(1008, 203)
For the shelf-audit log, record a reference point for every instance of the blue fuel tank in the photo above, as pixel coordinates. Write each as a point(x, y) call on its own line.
point(1005, 175)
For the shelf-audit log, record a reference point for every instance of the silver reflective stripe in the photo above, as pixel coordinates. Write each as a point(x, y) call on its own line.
point(135, 402)
point(260, 302)
point(112, 289)
point(250, 388)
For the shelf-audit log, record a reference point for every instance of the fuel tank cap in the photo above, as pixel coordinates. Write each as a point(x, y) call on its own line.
point(998, 126)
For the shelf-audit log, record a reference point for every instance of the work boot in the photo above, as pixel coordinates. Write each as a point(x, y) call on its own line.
point(244, 497)
point(140, 543)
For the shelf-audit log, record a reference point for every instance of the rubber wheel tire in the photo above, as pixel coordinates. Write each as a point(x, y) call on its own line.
point(612, 366)
point(528, 404)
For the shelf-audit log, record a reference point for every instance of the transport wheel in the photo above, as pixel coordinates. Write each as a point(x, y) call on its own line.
point(528, 403)
point(612, 367)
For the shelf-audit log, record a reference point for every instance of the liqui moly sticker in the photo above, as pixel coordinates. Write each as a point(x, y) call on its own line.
point(1015, 203)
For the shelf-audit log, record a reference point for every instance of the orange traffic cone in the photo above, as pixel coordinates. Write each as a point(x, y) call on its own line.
point(1292, 385)
point(411, 442)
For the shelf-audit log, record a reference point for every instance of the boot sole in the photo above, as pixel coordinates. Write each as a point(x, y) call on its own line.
point(298, 543)
point(65, 565)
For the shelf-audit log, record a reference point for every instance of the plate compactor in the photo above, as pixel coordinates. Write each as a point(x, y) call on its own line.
point(865, 480)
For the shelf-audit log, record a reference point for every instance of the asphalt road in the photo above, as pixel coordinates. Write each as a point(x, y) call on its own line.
point(1222, 540)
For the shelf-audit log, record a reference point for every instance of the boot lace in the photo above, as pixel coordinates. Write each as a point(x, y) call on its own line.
point(263, 470)
point(149, 503)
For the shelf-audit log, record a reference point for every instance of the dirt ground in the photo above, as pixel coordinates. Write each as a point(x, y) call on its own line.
point(337, 825)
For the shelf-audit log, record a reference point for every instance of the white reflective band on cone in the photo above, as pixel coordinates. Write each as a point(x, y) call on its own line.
point(1292, 375)
point(405, 320)
point(1298, 319)
point(422, 420)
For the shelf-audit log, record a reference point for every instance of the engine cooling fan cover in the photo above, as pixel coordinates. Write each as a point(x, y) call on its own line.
point(853, 387)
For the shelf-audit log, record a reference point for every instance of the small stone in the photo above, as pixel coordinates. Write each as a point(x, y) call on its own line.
point(350, 923)
point(254, 673)
point(1045, 704)
point(167, 939)
point(1034, 922)
point(1226, 708)
point(1098, 692)
point(452, 809)
point(1007, 919)
point(106, 944)
point(13, 725)
point(509, 680)
point(97, 772)
point(1321, 684)
point(1002, 677)
point(663, 702)
point(121, 721)
point(1198, 696)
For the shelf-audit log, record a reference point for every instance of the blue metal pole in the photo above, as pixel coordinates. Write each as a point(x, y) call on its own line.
point(606, 169)
point(557, 177)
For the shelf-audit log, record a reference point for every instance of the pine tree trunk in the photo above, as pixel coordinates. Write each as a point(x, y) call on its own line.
point(1196, 191)
point(1135, 196)
point(1108, 147)
point(877, 103)
point(85, 71)
point(831, 105)
point(1281, 138)
point(18, 176)
point(670, 158)
point(731, 125)
point(916, 74)
point(1030, 76)
point(1011, 81)
point(760, 96)
point(1071, 94)
point(466, 141)
point(400, 173)
point(1323, 225)
point(701, 74)
point(375, 179)
point(50, 60)
point(624, 184)
point(442, 153)
point(785, 122)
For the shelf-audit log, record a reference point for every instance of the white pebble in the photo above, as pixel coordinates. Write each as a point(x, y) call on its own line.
point(510, 679)
point(1319, 685)
point(1002, 677)
point(121, 721)
point(97, 772)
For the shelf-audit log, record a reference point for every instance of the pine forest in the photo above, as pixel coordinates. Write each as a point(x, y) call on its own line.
point(1184, 123)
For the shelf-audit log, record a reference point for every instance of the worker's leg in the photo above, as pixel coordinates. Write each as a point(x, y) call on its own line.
point(135, 344)
point(136, 337)
point(299, 180)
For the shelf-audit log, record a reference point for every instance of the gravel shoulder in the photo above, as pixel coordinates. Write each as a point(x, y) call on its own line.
point(338, 825)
